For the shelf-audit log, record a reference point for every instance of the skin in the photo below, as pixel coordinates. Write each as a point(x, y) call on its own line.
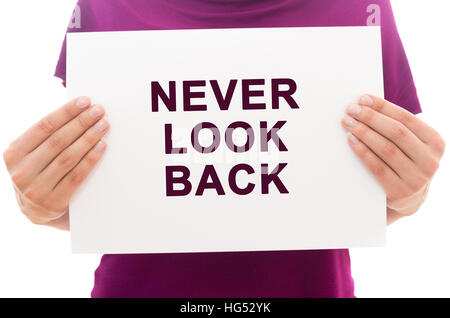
point(52, 158)
point(400, 150)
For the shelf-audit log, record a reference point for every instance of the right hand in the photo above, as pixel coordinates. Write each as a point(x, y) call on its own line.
point(52, 158)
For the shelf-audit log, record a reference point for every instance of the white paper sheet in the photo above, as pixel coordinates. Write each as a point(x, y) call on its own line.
point(333, 201)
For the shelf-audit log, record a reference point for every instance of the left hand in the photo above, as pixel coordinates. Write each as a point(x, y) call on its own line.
point(399, 149)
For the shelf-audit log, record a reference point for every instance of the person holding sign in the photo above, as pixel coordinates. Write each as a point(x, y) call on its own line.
point(51, 159)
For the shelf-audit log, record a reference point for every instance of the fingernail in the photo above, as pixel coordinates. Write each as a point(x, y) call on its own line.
point(100, 146)
point(366, 100)
point(100, 126)
point(83, 102)
point(96, 111)
point(352, 138)
point(353, 109)
point(349, 122)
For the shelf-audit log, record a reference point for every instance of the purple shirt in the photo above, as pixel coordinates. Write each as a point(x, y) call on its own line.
point(319, 273)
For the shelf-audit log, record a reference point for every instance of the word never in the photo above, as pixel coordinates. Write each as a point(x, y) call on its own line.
point(223, 100)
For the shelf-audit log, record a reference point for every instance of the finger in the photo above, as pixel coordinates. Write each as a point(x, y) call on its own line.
point(422, 130)
point(385, 150)
point(71, 181)
point(393, 130)
point(385, 176)
point(71, 156)
point(41, 130)
point(60, 140)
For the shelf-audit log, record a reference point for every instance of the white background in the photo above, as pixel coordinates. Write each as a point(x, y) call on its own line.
point(36, 261)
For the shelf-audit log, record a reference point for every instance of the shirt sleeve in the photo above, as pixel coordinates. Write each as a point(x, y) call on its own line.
point(399, 87)
point(82, 20)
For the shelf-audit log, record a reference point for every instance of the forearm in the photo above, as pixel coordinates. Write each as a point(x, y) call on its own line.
point(393, 216)
point(61, 224)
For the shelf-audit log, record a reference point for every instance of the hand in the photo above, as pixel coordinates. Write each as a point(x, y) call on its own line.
point(51, 159)
point(400, 150)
